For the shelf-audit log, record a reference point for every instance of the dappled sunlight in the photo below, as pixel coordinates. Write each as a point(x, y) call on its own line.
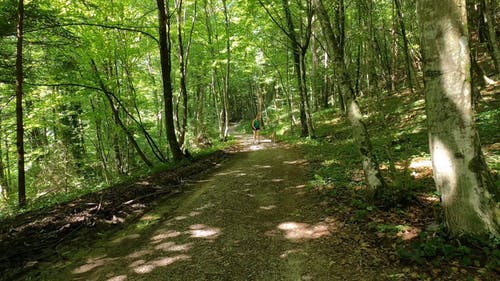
point(262, 166)
point(300, 231)
point(277, 180)
point(118, 278)
point(409, 232)
point(165, 235)
point(203, 231)
point(420, 163)
point(443, 161)
point(148, 267)
point(256, 147)
point(267, 208)
point(93, 263)
point(173, 247)
point(298, 162)
point(429, 198)
point(300, 186)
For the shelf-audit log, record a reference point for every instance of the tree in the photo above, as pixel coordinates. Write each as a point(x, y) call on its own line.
point(21, 178)
point(468, 193)
point(166, 71)
point(299, 46)
point(373, 177)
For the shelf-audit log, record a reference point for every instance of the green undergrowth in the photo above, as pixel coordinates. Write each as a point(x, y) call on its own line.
point(406, 216)
point(9, 207)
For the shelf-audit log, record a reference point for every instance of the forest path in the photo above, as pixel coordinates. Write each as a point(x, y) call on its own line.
point(249, 219)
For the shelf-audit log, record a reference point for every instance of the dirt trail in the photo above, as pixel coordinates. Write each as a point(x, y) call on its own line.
point(249, 219)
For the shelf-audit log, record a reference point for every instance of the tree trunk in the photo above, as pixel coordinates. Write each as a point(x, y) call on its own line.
point(225, 97)
point(405, 44)
point(373, 177)
point(4, 183)
point(299, 52)
point(468, 193)
point(21, 178)
point(166, 71)
point(118, 121)
point(183, 67)
point(489, 18)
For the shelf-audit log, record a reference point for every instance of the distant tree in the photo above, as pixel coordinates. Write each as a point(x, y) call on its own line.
point(21, 178)
point(468, 192)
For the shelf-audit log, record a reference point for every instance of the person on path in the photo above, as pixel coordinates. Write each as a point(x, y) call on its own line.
point(256, 128)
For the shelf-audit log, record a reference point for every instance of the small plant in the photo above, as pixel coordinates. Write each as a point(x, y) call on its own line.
point(438, 248)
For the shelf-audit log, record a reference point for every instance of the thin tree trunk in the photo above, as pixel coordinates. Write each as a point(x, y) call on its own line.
point(489, 18)
point(225, 96)
point(166, 71)
point(118, 121)
point(468, 192)
point(99, 143)
point(183, 73)
point(405, 44)
point(21, 178)
point(4, 183)
point(299, 51)
point(371, 170)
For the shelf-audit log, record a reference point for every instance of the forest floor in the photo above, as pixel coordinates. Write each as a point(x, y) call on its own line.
point(250, 217)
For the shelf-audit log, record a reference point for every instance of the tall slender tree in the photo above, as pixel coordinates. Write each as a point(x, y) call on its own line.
point(166, 72)
point(21, 178)
point(373, 177)
point(468, 193)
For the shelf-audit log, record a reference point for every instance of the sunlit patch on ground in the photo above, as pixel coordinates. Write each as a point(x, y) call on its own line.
point(298, 162)
point(267, 208)
point(420, 167)
point(173, 247)
point(298, 231)
point(262, 166)
point(165, 235)
point(93, 263)
point(203, 231)
point(429, 198)
point(409, 232)
point(160, 262)
point(118, 278)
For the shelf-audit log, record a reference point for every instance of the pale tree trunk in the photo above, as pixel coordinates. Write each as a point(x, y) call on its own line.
point(21, 178)
point(225, 96)
point(373, 177)
point(468, 193)
point(183, 64)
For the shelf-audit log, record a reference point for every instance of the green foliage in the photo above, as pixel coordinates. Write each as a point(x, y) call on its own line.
point(438, 248)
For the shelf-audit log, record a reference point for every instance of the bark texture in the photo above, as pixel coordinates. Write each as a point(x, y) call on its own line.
point(373, 177)
point(467, 190)
point(166, 72)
